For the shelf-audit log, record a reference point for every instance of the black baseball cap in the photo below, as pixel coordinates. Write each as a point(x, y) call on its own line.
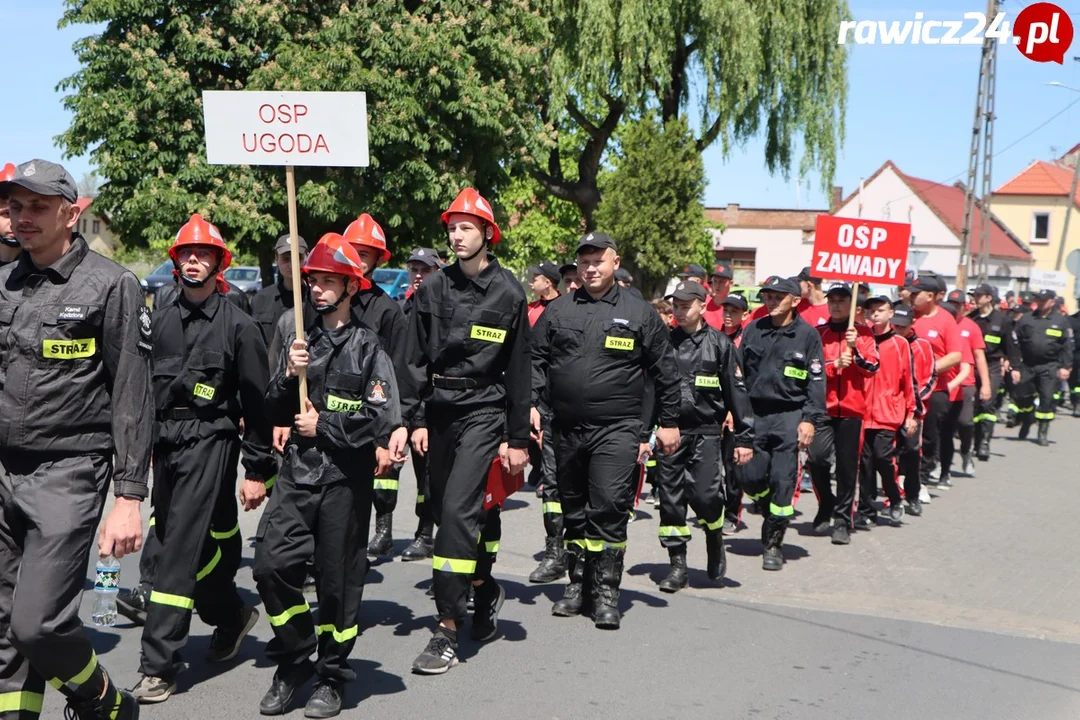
point(840, 288)
point(283, 245)
point(596, 239)
point(956, 296)
point(44, 178)
point(722, 270)
point(903, 315)
point(568, 268)
point(950, 307)
point(776, 283)
point(1045, 295)
point(877, 299)
point(623, 275)
point(736, 300)
point(985, 289)
point(695, 271)
point(927, 283)
point(427, 256)
point(807, 277)
point(688, 291)
point(548, 270)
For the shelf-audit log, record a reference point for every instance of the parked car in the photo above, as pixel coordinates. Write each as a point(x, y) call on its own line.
point(161, 275)
point(246, 279)
point(393, 282)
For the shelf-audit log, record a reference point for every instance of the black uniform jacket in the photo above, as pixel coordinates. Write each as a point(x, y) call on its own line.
point(351, 384)
point(589, 356)
point(1042, 340)
point(785, 368)
point(210, 371)
point(469, 347)
point(75, 363)
point(997, 330)
point(710, 371)
point(269, 304)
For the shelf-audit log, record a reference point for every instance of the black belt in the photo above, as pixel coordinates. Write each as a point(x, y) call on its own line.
point(186, 413)
point(456, 383)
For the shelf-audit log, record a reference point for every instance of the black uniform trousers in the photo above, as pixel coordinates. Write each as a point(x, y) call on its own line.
point(733, 494)
point(542, 474)
point(423, 500)
point(461, 449)
point(386, 487)
point(596, 467)
point(773, 471)
point(965, 422)
point(1037, 381)
point(195, 521)
point(937, 411)
point(330, 523)
point(842, 436)
point(1074, 383)
point(909, 461)
point(949, 421)
point(986, 410)
point(148, 557)
point(691, 475)
point(878, 458)
point(49, 513)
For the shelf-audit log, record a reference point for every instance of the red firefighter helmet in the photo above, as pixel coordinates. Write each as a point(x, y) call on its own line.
point(473, 203)
point(365, 232)
point(334, 254)
point(8, 173)
point(199, 232)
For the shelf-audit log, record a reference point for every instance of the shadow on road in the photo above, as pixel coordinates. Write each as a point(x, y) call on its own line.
point(699, 579)
point(371, 681)
point(103, 641)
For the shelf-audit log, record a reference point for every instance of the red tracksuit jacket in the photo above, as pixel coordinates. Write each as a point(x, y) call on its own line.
point(846, 390)
point(891, 389)
point(923, 372)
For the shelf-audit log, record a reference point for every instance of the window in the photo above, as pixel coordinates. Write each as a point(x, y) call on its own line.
point(83, 226)
point(1040, 228)
point(97, 227)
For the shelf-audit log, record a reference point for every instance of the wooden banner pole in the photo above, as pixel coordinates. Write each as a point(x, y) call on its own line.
point(294, 247)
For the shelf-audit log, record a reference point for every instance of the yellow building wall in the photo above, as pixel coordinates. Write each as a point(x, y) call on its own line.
point(1018, 213)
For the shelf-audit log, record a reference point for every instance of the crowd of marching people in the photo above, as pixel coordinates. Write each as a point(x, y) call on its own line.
point(861, 398)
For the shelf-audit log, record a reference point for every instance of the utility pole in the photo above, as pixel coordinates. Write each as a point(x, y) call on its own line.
point(987, 65)
point(988, 166)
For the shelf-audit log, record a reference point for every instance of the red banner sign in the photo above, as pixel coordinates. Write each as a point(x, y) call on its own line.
point(857, 250)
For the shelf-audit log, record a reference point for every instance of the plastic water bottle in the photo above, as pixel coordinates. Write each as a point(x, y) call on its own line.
point(106, 588)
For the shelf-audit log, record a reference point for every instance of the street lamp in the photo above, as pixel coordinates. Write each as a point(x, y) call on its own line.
point(1072, 193)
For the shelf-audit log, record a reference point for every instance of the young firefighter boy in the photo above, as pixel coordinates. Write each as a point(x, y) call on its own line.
point(711, 383)
point(321, 504)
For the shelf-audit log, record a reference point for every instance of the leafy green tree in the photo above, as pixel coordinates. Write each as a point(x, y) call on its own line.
point(653, 202)
point(539, 226)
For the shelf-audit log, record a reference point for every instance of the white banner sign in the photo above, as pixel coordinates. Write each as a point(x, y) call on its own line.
point(1055, 280)
point(286, 128)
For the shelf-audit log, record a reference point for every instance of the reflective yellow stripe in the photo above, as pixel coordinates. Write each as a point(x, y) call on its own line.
point(1044, 416)
point(553, 508)
point(794, 372)
point(599, 545)
point(706, 381)
point(760, 495)
point(579, 543)
point(209, 566)
point(986, 416)
point(712, 525)
point(492, 547)
point(992, 339)
point(618, 343)
point(673, 531)
point(650, 462)
point(343, 636)
point(458, 566)
point(179, 601)
point(68, 349)
point(336, 404)
point(492, 335)
point(79, 679)
point(419, 498)
point(204, 391)
point(116, 706)
point(270, 483)
point(279, 620)
point(153, 522)
point(386, 484)
point(1052, 332)
point(1025, 409)
point(782, 511)
point(225, 535)
point(15, 701)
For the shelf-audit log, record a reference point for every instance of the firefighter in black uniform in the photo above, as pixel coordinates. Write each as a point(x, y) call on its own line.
point(210, 371)
point(270, 303)
point(374, 308)
point(422, 264)
point(1074, 375)
point(9, 246)
point(735, 308)
point(469, 347)
point(711, 383)
point(784, 367)
point(996, 328)
point(321, 504)
point(1041, 356)
point(76, 411)
point(591, 353)
point(166, 295)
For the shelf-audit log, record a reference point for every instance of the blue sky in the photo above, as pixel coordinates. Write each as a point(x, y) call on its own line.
point(913, 104)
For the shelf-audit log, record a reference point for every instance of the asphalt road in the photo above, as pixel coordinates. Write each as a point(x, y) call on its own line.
point(968, 612)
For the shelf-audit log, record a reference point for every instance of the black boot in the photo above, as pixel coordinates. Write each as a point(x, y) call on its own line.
point(575, 599)
point(716, 562)
point(1076, 410)
point(114, 703)
point(1044, 433)
point(423, 545)
point(608, 570)
point(982, 449)
point(773, 557)
point(1025, 426)
point(283, 686)
point(383, 541)
point(676, 578)
point(325, 700)
point(553, 566)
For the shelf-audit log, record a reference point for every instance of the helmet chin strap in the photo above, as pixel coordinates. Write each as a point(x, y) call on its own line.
point(483, 247)
point(326, 309)
point(196, 284)
point(10, 242)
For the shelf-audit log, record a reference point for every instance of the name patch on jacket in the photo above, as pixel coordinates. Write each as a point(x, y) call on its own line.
point(336, 404)
point(1054, 332)
point(794, 372)
point(492, 335)
point(72, 312)
point(68, 349)
point(707, 381)
point(204, 391)
point(618, 343)
point(992, 339)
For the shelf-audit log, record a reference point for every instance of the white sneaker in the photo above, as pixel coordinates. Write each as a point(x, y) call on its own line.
point(935, 474)
point(924, 496)
point(968, 466)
